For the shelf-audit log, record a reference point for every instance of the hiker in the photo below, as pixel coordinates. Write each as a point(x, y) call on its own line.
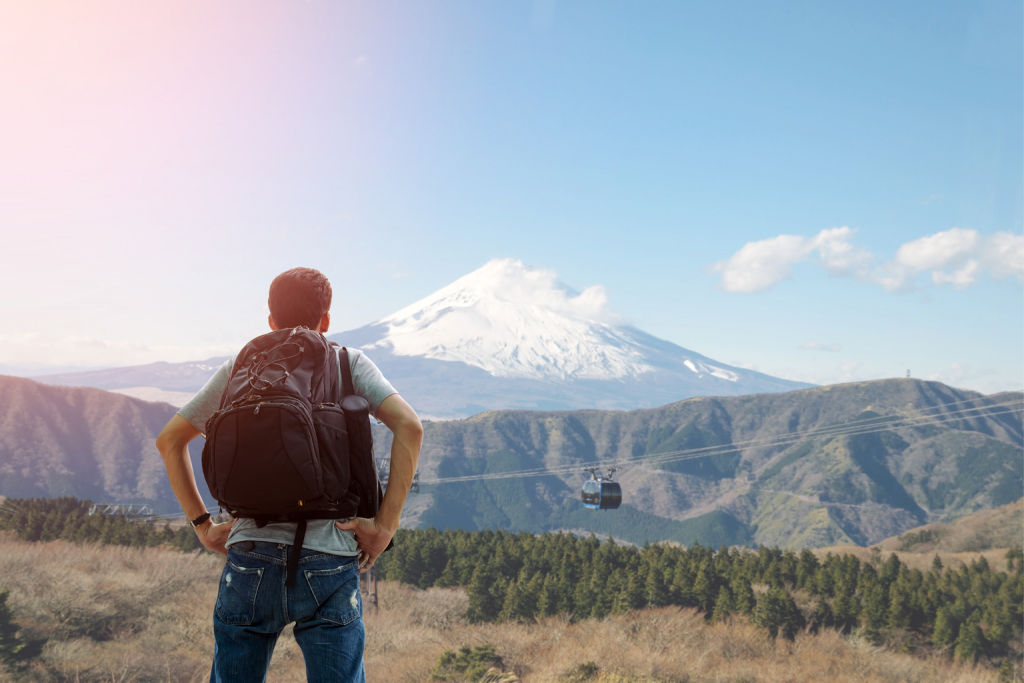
point(322, 598)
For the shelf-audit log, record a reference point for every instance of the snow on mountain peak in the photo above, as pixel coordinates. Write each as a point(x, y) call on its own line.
point(516, 321)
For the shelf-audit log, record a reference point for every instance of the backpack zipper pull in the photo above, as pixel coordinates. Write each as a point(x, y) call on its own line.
point(257, 411)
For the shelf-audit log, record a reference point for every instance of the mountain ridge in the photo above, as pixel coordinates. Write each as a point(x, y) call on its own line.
point(812, 491)
point(779, 480)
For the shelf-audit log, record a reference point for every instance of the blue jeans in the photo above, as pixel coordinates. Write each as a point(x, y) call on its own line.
point(253, 606)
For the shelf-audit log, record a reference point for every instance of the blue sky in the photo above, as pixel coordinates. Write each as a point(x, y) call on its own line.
point(162, 162)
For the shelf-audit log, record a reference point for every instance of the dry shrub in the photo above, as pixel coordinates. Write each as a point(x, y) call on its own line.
point(440, 609)
point(102, 592)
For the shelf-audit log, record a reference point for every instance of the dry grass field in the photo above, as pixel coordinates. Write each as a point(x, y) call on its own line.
point(986, 533)
point(1002, 527)
point(121, 615)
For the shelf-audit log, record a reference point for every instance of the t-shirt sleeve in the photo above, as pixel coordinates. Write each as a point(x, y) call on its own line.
point(368, 381)
point(204, 404)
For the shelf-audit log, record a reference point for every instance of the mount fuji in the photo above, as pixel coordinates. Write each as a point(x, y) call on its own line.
point(506, 336)
point(511, 336)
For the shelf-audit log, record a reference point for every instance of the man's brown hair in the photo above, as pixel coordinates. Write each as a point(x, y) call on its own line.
point(299, 296)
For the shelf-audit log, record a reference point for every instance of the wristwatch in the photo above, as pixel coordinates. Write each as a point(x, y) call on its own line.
point(199, 520)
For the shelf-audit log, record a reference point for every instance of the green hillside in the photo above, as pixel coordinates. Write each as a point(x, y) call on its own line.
point(810, 468)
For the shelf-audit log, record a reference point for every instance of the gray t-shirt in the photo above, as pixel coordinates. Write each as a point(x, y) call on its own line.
point(321, 534)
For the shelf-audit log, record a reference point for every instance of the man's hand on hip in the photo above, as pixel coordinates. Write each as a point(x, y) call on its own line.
point(214, 536)
point(371, 537)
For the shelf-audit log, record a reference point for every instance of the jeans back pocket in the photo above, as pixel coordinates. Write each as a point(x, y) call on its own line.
point(336, 592)
point(236, 599)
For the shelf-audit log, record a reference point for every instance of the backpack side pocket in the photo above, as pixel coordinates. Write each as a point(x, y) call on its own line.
point(362, 466)
point(333, 442)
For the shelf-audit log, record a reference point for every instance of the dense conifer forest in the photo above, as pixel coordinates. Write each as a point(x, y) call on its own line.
point(970, 612)
point(68, 519)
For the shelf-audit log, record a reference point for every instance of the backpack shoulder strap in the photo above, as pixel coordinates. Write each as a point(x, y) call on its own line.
point(347, 388)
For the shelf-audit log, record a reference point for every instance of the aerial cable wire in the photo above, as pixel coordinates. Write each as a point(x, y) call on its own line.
point(688, 454)
point(781, 439)
point(852, 428)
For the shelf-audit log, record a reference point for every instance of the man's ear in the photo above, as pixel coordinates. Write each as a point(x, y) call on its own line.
point(270, 321)
point(325, 323)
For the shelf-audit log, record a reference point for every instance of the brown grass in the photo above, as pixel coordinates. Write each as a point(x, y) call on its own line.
point(120, 615)
point(668, 644)
point(1001, 527)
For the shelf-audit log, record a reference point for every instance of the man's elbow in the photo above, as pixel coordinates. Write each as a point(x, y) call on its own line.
point(165, 444)
point(174, 437)
point(411, 429)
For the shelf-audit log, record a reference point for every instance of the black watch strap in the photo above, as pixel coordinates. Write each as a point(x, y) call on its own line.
point(199, 520)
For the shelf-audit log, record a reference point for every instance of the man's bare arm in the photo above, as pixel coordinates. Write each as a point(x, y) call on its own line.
point(373, 535)
point(173, 446)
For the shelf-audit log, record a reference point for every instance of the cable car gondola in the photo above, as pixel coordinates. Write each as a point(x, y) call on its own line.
point(601, 493)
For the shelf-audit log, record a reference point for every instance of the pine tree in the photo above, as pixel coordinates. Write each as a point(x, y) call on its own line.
point(723, 604)
point(604, 596)
point(875, 613)
point(703, 586)
point(890, 570)
point(484, 604)
point(547, 602)
point(969, 642)
point(682, 584)
point(583, 598)
point(634, 593)
point(846, 609)
point(900, 606)
point(777, 612)
point(655, 589)
point(945, 630)
point(743, 601)
point(518, 604)
point(805, 569)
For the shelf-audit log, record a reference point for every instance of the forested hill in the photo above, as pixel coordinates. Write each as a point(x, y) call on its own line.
point(820, 482)
point(790, 484)
point(88, 443)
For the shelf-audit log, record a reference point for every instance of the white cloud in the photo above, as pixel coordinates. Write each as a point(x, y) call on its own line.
point(819, 346)
point(961, 278)
point(837, 255)
point(938, 250)
point(759, 265)
point(1003, 255)
point(956, 257)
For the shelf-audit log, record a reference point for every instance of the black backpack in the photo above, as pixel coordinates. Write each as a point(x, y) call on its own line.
point(291, 442)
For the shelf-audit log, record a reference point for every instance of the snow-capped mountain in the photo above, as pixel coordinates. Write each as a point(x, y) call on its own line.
point(515, 321)
point(511, 336)
point(504, 336)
